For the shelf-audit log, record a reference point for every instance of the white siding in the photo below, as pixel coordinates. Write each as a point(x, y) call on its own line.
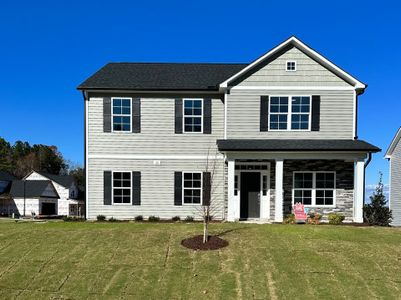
point(157, 134)
point(395, 185)
point(308, 73)
point(336, 115)
point(157, 188)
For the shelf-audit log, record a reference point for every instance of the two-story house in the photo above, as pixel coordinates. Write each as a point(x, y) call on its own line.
point(253, 139)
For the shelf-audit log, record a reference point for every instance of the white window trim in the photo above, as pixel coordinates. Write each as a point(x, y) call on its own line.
point(191, 116)
point(112, 188)
point(201, 188)
point(313, 205)
point(289, 113)
point(291, 61)
point(112, 116)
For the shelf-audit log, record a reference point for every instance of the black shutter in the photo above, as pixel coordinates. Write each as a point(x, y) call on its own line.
point(177, 188)
point(207, 116)
point(107, 187)
point(136, 115)
point(106, 114)
point(178, 115)
point(264, 113)
point(206, 189)
point(136, 188)
point(315, 113)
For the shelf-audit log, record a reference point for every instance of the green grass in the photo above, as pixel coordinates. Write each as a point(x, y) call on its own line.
point(146, 261)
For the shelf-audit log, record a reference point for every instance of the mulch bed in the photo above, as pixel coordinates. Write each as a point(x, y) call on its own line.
point(196, 243)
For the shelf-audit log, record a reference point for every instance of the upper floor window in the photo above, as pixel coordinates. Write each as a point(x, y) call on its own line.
point(122, 187)
point(291, 65)
point(192, 187)
point(193, 115)
point(121, 114)
point(290, 113)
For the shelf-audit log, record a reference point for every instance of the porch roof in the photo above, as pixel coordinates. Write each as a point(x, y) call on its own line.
point(295, 145)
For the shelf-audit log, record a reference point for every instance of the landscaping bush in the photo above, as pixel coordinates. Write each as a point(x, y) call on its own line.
point(377, 212)
point(314, 218)
point(289, 219)
point(112, 219)
point(176, 219)
point(139, 218)
point(189, 219)
point(335, 219)
point(73, 219)
point(153, 219)
point(101, 218)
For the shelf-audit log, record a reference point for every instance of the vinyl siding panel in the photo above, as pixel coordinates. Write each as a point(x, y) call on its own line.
point(336, 115)
point(308, 73)
point(395, 185)
point(157, 134)
point(157, 188)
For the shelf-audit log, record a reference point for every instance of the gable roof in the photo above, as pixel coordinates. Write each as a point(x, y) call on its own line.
point(161, 76)
point(6, 176)
point(295, 42)
point(63, 180)
point(394, 143)
point(33, 188)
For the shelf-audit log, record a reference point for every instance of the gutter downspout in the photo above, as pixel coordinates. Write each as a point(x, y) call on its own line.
point(364, 177)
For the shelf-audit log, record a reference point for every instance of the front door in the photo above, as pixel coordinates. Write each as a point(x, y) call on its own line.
point(250, 195)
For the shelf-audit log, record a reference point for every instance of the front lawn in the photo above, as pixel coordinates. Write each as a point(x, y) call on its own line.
point(146, 261)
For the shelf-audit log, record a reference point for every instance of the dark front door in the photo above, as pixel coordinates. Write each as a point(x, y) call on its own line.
point(250, 195)
point(48, 209)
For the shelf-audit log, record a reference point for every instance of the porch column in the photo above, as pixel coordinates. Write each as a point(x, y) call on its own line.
point(278, 209)
point(359, 190)
point(231, 205)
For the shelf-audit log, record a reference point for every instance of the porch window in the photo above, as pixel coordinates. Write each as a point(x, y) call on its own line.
point(192, 187)
point(314, 188)
point(290, 113)
point(122, 187)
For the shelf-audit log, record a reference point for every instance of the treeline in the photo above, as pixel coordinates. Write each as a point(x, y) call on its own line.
point(19, 159)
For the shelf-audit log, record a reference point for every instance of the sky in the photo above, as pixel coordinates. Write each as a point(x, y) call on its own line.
point(48, 47)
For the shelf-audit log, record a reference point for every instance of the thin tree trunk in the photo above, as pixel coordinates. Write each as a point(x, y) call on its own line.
point(205, 230)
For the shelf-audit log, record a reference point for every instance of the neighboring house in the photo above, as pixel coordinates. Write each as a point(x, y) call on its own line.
point(279, 130)
point(69, 202)
point(5, 184)
point(393, 154)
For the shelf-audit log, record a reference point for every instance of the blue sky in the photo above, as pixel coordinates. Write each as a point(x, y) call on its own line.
point(49, 47)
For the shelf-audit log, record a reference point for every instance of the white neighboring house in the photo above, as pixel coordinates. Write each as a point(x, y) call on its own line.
point(67, 190)
point(393, 154)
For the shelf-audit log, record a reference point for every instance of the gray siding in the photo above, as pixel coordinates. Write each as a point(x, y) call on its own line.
point(157, 134)
point(336, 115)
point(395, 185)
point(157, 188)
point(309, 73)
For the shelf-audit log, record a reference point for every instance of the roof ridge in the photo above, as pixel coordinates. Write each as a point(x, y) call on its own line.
point(175, 63)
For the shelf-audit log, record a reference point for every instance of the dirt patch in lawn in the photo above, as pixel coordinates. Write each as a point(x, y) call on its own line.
point(196, 243)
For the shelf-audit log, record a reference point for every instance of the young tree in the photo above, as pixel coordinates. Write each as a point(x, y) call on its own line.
point(377, 212)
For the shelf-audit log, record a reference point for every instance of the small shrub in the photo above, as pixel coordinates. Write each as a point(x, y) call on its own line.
point(314, 218)
point(153, 219)
point(113, 220)
point(101, 218)
point(189, 219)
point(289, 219)
point(72, 219)
point(335, 219)
point(139, 218)
point(176, 219)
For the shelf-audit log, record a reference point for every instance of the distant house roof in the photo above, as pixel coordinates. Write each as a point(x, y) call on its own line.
point(31, 189)
point(394, 143)
point(295, 145)
point(6, 176)
point(161, 76)
point(63, 180)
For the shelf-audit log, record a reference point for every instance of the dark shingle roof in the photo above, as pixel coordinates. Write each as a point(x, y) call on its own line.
point(161, 76)
point(5, 176)
point(33, 188)
point(64, 180)
point(295, 145)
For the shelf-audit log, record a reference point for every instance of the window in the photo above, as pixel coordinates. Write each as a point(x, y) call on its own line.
point(264, 185)
point(290, 113)
point(236, 185)
point(314, 188)
point(193, 111)
point(121, 114)
point(192, 187)
point(291, 65)
point(122, 187)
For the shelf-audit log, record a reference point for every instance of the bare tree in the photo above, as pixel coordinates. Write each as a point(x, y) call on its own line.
point(208, 207)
